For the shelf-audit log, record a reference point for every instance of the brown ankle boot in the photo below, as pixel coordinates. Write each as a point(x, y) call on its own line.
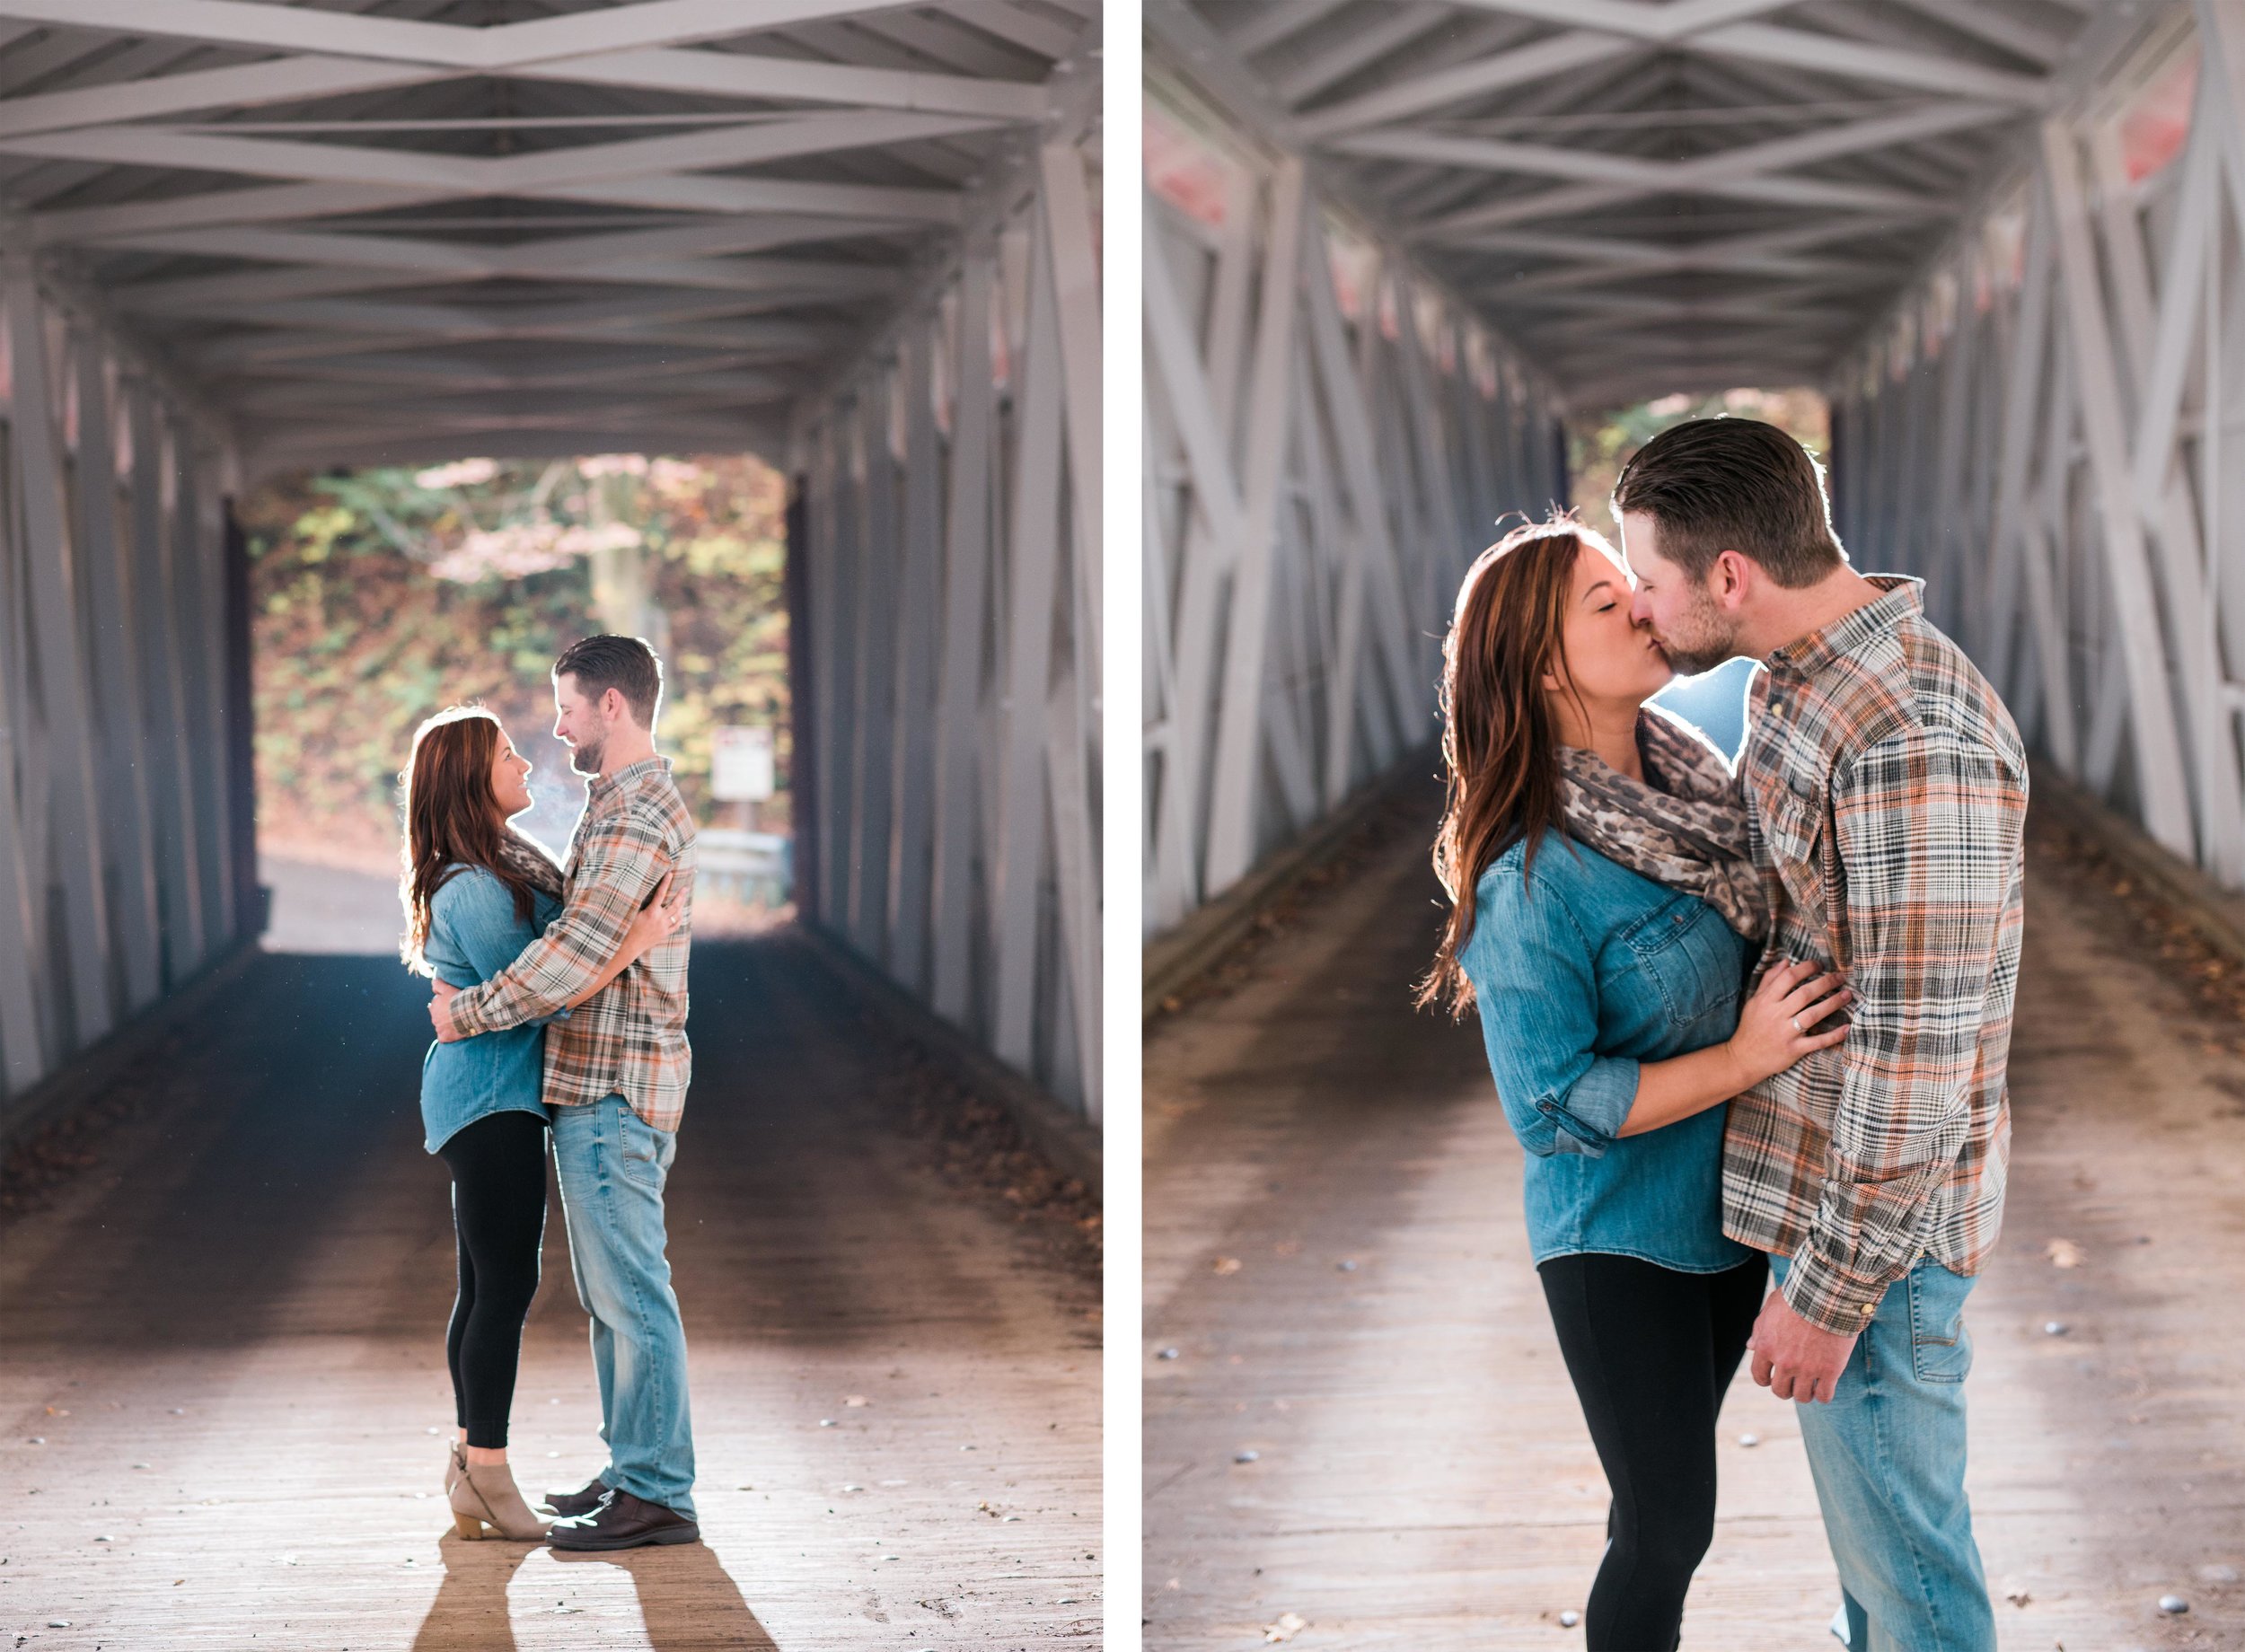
point(486, 1498)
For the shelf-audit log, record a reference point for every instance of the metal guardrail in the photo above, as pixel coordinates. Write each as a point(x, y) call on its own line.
point(747, 866)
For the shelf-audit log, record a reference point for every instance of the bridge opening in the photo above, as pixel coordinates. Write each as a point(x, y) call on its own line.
point(254, 241)
point(1600, 443)
point(376, 595)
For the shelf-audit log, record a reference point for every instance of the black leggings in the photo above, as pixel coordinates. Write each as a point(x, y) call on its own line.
point(498, 1214)
point(1650, 1351)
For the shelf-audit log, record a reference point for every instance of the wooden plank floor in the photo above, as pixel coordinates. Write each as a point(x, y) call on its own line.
point(1335, 1252)
point(229, 1336)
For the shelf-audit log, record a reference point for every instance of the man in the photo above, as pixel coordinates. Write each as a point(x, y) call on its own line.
point(615, 1083)
point(1886, 789)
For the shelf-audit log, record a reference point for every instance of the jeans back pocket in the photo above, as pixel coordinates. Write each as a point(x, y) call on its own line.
point(1941, 1348)
point(644, 1151)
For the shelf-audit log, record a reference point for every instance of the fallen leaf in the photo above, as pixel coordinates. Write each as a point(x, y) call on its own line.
point(1290, 1624)
point(2064, 1253)
point(1226, 1264)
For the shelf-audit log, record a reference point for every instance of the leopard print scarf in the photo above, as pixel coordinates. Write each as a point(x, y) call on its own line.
point(1686, 830)
point(527, 859)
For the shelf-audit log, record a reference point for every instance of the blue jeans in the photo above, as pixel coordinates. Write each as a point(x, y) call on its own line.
point(1887, 1456)
point(613, 1164)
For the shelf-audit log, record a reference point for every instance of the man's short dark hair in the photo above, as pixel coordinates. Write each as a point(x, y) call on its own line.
point(1712, 485)
point(623, 663)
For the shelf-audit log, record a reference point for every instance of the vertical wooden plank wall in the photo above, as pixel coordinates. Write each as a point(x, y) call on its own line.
point(949, 602)
point(127, 852)
point(1322, 466)
point(2041, 430)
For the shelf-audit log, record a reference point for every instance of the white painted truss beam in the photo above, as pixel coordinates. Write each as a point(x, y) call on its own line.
point(498, 48)
point(527, 175)
point(954, 840)
point(1315, 483)
point(1499, 71)
point(562, 234)
point(2054, 457)
point(1748, 172)
point(461, 370)
point(2047, 450)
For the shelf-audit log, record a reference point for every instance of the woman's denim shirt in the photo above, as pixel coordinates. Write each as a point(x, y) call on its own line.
point(473, 934)
point(1581, 970)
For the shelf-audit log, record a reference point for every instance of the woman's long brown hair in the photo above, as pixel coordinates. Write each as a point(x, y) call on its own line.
point(1499, 743)
point(452, 819)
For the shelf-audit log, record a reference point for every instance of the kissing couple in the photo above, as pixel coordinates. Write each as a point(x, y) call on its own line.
point(1751, 1026)
point(560, 1007)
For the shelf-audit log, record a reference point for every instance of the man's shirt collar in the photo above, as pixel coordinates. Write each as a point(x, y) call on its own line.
point(1904, 595)
point(600, 786)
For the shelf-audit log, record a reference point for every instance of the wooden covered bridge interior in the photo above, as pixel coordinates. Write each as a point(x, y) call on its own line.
point(245, 238)
point(1391, 248)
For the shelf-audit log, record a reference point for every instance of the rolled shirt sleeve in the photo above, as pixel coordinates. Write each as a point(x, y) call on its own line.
point(617, 865)
point(476, 914)
point(1535, 985)
point(1926, 828)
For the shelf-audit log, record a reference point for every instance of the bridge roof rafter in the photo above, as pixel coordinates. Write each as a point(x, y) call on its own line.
point(1668, 159)
point(260, 188)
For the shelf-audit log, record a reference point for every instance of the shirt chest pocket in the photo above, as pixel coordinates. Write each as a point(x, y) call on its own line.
point(1684, 950)
point(1792, 819)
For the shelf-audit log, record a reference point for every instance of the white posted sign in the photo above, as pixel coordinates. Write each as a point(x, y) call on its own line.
point(741, 765)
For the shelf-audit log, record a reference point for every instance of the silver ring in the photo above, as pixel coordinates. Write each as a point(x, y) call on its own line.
point(1796, 1021)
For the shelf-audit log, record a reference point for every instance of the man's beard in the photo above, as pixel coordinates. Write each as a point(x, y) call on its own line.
point(585, 758)
point(1703, 640)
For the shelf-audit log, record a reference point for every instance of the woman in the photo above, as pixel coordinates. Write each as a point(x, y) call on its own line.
point(1604, 915)
point(476, 893)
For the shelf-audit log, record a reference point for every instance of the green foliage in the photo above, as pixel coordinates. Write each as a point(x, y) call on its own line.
point(381, 596)
point(1599, 444)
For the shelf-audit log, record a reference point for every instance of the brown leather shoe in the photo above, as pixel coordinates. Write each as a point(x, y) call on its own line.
point(624, 1522)
point(582, 1501)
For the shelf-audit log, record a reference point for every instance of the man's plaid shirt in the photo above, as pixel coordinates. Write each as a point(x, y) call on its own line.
point(1887, 792)
point(631, 1039)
